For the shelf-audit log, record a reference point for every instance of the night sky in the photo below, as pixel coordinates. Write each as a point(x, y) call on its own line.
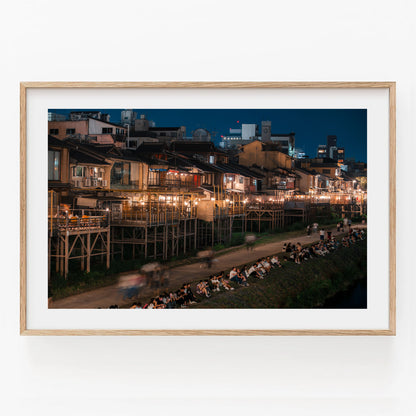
point(310, 126)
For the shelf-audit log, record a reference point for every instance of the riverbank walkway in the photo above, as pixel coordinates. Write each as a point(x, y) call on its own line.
point(110, 295)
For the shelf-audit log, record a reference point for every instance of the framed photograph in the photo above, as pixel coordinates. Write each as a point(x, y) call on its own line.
point(207, 208)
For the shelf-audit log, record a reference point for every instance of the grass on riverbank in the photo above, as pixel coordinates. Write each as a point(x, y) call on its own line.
point(307, 285)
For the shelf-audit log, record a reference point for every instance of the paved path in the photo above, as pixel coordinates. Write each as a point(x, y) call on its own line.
point(109, 295)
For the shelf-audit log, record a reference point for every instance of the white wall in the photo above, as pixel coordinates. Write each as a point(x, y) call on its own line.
point(296, 40)
point(248, 131)
point(96, 127)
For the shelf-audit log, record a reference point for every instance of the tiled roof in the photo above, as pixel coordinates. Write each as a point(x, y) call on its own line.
point(192, 146)
point(81, 157)
point(53, 141)
point(163, 128)
point(151, 147)
point(239, 170)
point(143, 134)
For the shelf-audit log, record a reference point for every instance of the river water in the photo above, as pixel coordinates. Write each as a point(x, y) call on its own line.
point(353, 298)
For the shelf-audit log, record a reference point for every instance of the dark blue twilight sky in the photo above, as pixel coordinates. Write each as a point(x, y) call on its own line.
point(311, 126)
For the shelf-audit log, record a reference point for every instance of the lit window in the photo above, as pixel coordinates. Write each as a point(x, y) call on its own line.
point(54, 161)
point(78, 171)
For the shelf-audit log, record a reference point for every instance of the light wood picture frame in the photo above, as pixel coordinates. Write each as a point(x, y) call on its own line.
point(26, 87)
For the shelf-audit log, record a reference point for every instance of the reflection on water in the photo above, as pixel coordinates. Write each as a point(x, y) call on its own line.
point(353, 298)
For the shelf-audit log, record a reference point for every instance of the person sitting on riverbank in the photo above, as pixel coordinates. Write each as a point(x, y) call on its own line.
point(214, 283)
point(324, 249)
point(304, 255)
point(260, 269)
point(266, 265)
point(189, 296)
point(180, 298)
point(311, 250)
point(171, 301)
point(202, 289)
point(237, 277)
point(244, 272)
point(252, 272)
point(234, 275)
point(160, 303)
point(224, 282)
point(275, 262)
point(244, 281)
point(318, 251)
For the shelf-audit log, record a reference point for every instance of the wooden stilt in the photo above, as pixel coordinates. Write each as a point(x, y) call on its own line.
point(57, 255)
point(122, 244)
point(83, 253)
point(61, 255)
point(66, 254)
point(145, 242)
point(49, 257)
point(195, 232)
point(173, 241)
point(155, 243)
point(88, 252)
point(133, 248)
point(108, 248)
point(184, 235)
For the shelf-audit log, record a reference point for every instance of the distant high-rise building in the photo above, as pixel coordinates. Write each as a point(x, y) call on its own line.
point(266, 130)
point(285, 141)
point(55, 117)
point(340, 154)
point(333, 152)
point(84, 115)
point(331, 141)
point(141, 124)
point(128, 117)
point(299, 153)
point(249, 131)
point(321, 152)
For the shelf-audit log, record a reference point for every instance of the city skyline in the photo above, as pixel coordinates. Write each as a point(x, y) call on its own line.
point(311, 126)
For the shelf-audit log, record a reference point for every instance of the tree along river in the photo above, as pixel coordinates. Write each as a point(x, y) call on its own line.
point(353, 298)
